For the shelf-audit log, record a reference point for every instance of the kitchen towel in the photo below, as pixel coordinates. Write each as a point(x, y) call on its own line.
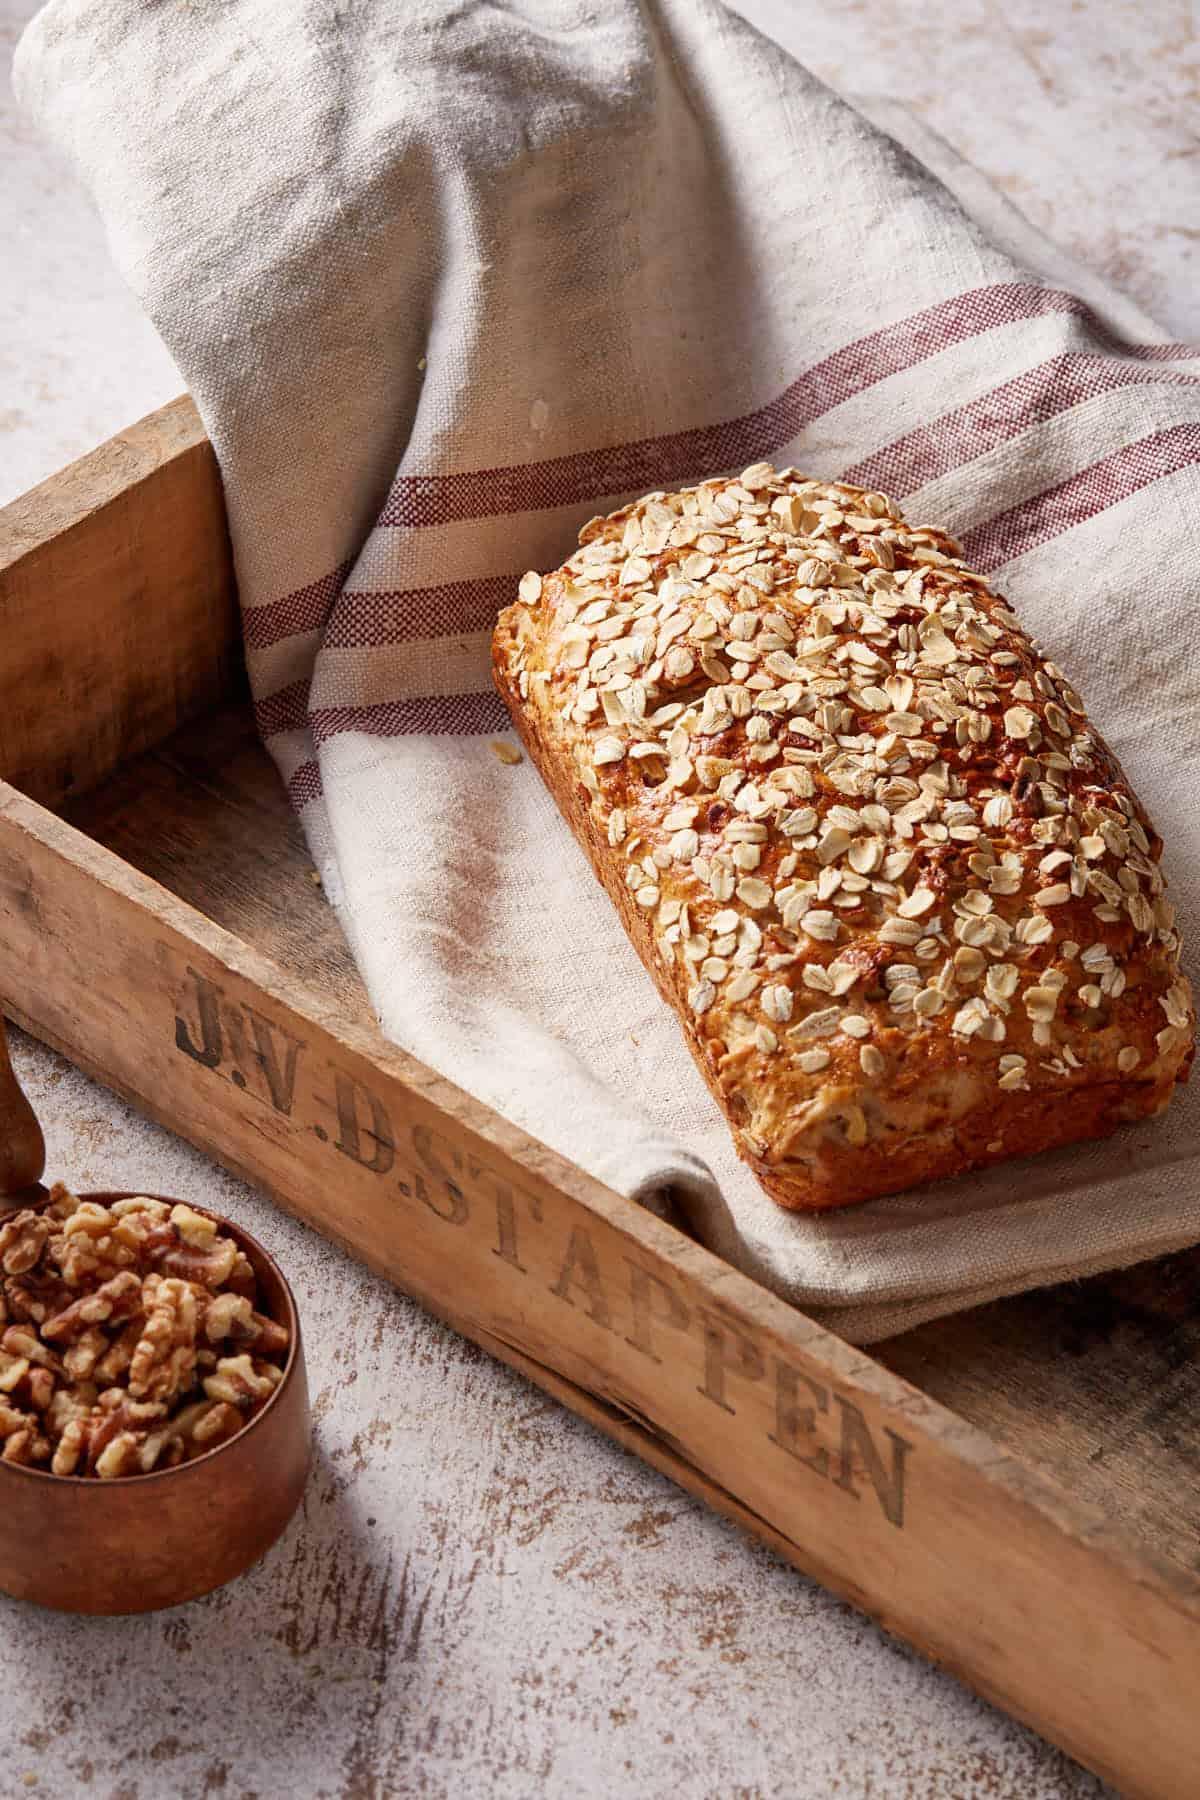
point(446, 278)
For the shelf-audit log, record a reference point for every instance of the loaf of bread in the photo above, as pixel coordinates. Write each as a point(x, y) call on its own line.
point(860, 830)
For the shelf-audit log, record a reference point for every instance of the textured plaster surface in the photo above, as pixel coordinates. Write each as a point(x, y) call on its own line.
point(482, 1596)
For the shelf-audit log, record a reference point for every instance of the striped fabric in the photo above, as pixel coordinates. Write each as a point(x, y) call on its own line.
point(447, 281)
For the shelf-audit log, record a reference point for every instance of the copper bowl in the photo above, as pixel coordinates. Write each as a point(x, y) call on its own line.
point(146, 1541)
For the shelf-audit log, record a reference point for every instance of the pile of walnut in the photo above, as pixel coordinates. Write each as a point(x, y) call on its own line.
point(129, 1337)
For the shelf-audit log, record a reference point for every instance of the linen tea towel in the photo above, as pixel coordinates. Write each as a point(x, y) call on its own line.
point(447, 280)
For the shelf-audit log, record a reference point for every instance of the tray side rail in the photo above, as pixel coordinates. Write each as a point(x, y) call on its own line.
point(118, 612)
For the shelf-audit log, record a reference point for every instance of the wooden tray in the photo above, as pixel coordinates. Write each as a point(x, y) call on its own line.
point(1014, 1490)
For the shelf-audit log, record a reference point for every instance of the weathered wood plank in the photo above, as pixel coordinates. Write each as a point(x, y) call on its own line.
point(1098, 1381)
point(205, 814)
point(117, 612)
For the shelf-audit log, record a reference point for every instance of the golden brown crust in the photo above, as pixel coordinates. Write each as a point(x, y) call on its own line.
point(897, 889)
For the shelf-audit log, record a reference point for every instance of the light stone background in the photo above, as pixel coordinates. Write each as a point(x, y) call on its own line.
point(481, 1596)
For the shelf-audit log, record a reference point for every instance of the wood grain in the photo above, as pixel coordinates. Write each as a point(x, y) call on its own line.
point(118, 618)
point(205, 814)
point(22, 1147)
point(1098, 1381)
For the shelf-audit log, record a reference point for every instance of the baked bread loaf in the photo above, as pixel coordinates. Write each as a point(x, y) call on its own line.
point(859, 829)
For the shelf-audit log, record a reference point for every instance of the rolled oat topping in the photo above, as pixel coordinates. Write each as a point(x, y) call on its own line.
point(853, 795)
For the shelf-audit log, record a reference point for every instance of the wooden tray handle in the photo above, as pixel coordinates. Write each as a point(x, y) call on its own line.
point(22, 1146)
